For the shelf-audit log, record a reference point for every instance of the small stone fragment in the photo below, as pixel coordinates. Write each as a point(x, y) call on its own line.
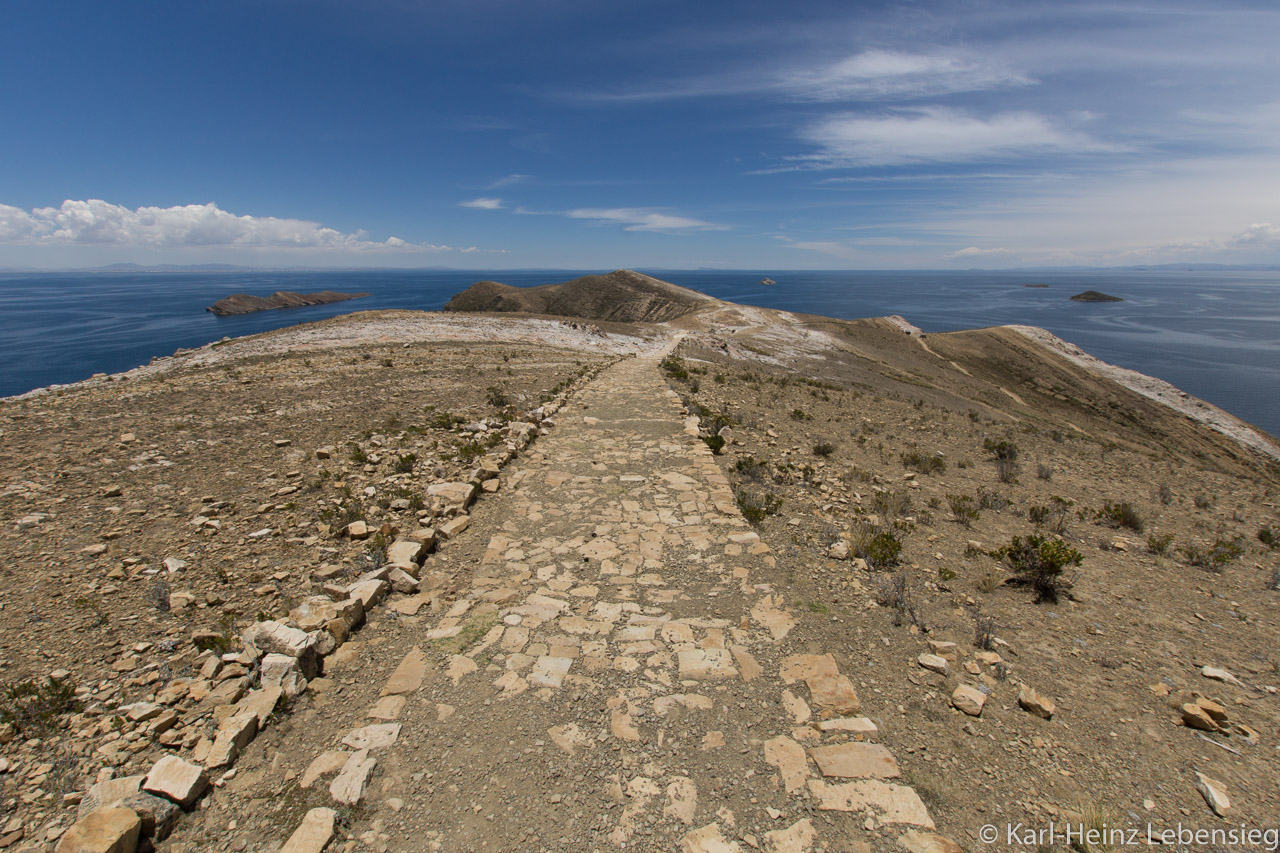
point(177, 780)
point(1214, 793)
point(969, 700)
point(1031, 701)
point(313, 833)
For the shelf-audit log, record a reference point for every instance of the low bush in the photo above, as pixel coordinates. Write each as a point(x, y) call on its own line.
point(923, 463)
point(824, 449)
point(1215, 557)
point(36, 708)
point(715, 442)
point(1158, 544)
point(1268, 536)
point(756, 504)
point(1040, 562)
point(1121, 515)
point(963, 509)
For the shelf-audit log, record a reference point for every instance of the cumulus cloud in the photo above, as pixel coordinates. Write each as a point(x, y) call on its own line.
point(936, 135)
point(641, 219)
point(884, 73)
point(99, 223)
point(483, 203)
point(1258, 234)
point(975, 252)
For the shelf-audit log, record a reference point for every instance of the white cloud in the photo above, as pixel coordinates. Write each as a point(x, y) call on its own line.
point(884, 73)
point(508, 180)
point(483, 203)
point(937, 135)
point(975, 252)
point(99, 223)
point(1259, 234)
point(641, 219)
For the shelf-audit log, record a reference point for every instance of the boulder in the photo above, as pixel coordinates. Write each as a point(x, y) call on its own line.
point(1033, 702)
point(969, 700)
point(276, 637)
point(406, 552)
point(313, 833)
point(158, 815)
point(284, 671)
point(108, 793)
point(110, 830)
point(933, 663)
point(176, 780)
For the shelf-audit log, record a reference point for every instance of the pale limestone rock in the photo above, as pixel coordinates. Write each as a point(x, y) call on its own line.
point(706, 664)
point(855, 760)
point(402, 582)
point(1196, 717)
point(176, 780)
point(682, 800)
point(748, 668)
point(233, 735)
point(387, 708)
point(889, 803)
point(918, 841)
point(945, 649)
point(110, 830)
point(797, 838)
point(569, 737)
point(408, 675)
point(370, 592)
point(796, 707)
point(403, 552)
point(261, 703)
point(349, 785)
point(835, 692)
point(376, 736)
point(855, 725)
point(276, 637)
point(969, 700)
point(453, 494)
point(788, 756)
point(769, 613)
point(708, 839)
point(459, 667)
point(1219, 674)
point(158, 815)
point(284, 671)
point(550, 671)
point(1041, 706)
point(804, 667)
point(1214, 793)
point(101, 795)
point(325, 764)
point(357, 530)
point(313, 833)
point(454, 526)
point(933, 663)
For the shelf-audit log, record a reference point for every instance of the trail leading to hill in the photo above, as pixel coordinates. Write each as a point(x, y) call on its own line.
point(624, 675)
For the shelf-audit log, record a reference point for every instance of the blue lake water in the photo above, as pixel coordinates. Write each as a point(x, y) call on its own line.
point(1214, 334)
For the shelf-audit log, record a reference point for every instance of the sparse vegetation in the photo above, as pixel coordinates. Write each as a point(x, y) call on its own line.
point(878, 545)
point(1052, 516)
point(963, 509)
point(756, 504)
point(1044, 472)
point(715, 442)
point(1268, 536)
point(984, 632)
point(923, 463)
point(1120, 515)
point(405, 462)
point(1215, 557)
point(824, 449)
point(1005, 454)
point(1040, 562)
point(358, 455)
point(36, 708)
point(894, 593)
point(1159, 543)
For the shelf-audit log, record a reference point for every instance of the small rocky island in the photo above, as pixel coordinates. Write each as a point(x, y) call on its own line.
point(243, 303)
point(1095, 296)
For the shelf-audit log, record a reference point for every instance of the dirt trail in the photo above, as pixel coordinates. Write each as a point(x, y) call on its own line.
point(620, 673)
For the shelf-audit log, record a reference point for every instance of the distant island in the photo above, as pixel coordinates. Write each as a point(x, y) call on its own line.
point(1095, 296)
point(1035, 285)
point(243, 303)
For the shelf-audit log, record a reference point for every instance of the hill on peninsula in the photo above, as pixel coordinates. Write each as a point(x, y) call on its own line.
point(621, 296)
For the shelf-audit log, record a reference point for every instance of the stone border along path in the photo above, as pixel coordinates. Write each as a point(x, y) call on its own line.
point(626, 680)
point(116, 812)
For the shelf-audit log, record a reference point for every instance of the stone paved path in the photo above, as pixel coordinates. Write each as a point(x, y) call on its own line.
point(623, 674)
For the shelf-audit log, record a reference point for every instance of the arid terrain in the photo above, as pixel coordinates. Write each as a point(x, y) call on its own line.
point(578, 584)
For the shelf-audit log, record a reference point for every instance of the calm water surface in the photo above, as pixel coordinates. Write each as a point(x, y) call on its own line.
point(1214, 334)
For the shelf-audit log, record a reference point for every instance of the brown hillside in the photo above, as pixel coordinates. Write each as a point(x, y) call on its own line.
point(622, 296)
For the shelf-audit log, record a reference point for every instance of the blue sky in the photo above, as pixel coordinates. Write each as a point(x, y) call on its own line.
point(559, 133)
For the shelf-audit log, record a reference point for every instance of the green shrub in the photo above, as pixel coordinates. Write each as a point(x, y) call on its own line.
point(1005, 454)
point(750, 469)
point(879, 546)
point(1052, 516)
point(358, 455)
point(404, 464)
point(1121, 515)
point(36, 708)
point(756, 504)
point(1268, 536)
point(675, 368)
point(824, 449)
point(1040, 562)
point(963, 509)
point(1215, 557)
point(1158, 544)
point(715, 442)
point(798, 415)
point(924, 464)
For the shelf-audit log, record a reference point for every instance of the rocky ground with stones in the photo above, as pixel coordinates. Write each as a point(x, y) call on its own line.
point(406, 582)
